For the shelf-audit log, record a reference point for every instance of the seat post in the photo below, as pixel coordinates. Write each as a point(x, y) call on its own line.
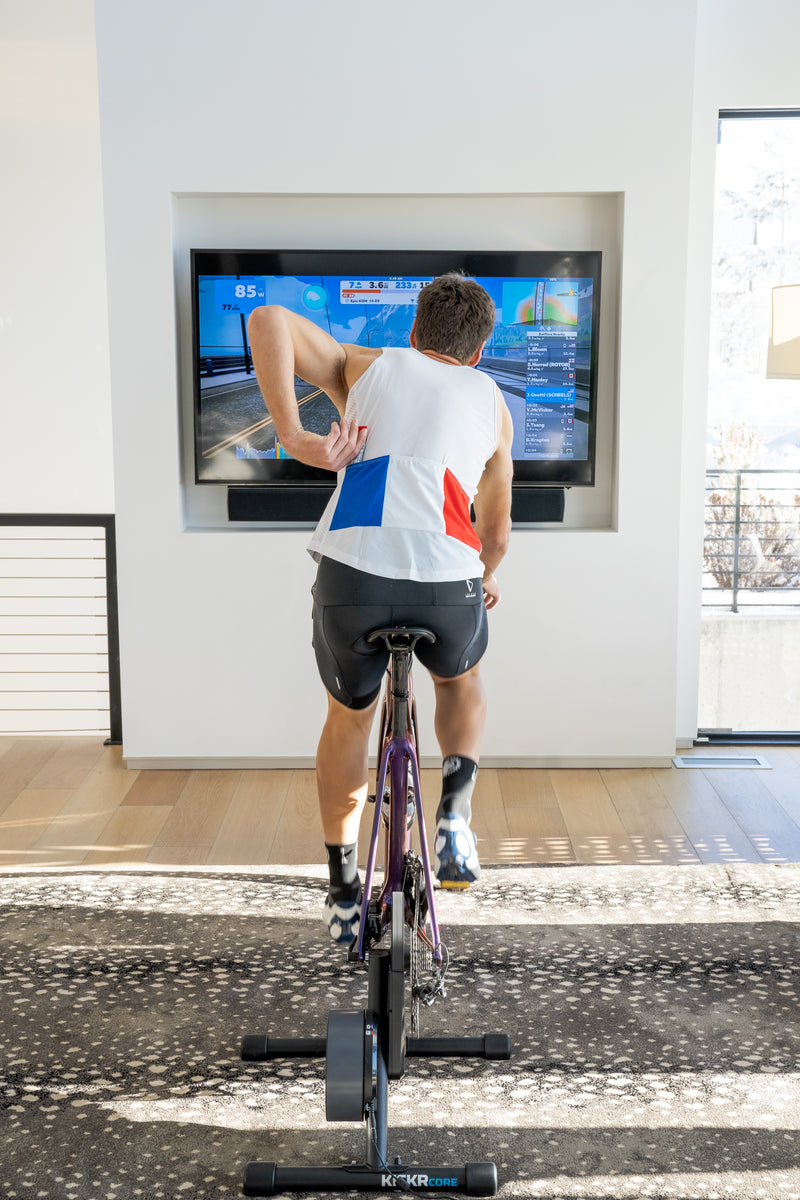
point(401, 665)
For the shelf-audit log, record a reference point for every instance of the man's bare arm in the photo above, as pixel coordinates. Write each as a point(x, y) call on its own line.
point(493, 506)
point(284, 345)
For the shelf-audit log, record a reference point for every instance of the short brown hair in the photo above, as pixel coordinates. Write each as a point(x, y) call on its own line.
point(455, 316)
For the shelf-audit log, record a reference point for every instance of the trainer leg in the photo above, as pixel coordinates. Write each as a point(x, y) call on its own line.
point(342, 770)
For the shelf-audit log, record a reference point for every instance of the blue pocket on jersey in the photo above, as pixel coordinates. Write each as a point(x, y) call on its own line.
point(362, 494)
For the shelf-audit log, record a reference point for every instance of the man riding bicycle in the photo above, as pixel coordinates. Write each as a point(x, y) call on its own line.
point(422, 437)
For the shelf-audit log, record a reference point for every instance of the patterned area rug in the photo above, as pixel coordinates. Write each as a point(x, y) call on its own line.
point(654, 1014)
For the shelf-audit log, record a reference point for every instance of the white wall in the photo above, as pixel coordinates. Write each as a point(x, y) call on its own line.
point(266, 124)
point(323, 100)
point(55, 411)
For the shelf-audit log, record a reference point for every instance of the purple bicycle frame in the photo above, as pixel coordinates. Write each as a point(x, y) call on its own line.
point(397, 756)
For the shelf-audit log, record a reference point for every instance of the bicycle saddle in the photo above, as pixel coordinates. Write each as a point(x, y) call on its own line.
point(401, 637)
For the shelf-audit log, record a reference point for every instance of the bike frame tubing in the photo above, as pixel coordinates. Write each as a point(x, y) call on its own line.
point(397, 757)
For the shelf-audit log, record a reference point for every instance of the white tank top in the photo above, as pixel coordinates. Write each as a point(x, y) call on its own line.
point(402, 510)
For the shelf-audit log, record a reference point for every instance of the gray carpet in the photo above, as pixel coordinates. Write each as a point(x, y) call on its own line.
point(654, 1013)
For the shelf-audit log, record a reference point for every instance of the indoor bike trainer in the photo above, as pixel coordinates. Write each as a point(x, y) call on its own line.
point(363, 1050)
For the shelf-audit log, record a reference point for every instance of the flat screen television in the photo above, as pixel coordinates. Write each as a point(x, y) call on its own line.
point(542, 352)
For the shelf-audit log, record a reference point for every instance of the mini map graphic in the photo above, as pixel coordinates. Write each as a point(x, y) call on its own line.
point(540, 302)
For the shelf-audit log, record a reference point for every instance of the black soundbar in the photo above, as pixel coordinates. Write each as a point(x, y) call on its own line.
point(305, 505)
point(530, 504)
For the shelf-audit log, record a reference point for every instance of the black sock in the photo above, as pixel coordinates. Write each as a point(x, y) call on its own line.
point(343, 870)
point(458, 780)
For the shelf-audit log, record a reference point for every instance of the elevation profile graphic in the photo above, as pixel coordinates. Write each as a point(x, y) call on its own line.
point(540, 302)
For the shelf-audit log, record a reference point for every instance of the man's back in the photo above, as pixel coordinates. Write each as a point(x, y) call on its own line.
point(402, 511)
point(424, 408)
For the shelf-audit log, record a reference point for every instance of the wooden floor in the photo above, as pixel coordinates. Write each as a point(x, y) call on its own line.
point(69, 802)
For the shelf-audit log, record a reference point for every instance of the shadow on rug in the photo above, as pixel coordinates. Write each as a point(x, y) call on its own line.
point(653, 1011)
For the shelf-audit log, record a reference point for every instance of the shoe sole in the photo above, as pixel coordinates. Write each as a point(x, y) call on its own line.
point(459, 882)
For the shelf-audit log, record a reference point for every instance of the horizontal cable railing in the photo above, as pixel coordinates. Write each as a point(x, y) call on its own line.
point(59, 637)
point(751, 551)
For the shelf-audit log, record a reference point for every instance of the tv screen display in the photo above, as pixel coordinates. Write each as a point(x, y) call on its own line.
point(542, 352)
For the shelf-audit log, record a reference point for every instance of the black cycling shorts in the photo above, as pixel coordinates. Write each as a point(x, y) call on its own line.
point(349, 604)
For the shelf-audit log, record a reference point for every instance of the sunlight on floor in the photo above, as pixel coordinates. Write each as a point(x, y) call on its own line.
point(528, 849)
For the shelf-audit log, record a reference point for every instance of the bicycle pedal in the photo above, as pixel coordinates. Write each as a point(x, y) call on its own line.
point(455, 885)
point(371, 799)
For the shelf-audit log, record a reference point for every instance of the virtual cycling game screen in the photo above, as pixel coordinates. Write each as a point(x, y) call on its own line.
point(541, 353)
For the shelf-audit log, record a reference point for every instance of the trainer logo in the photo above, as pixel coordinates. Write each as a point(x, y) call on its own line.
point(417, 1181)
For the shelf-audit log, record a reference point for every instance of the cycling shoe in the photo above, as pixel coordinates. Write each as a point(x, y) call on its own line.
point(456, 856)
point(342, 918)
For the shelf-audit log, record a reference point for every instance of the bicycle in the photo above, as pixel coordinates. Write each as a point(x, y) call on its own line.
point(399, 938)
point(405, 904)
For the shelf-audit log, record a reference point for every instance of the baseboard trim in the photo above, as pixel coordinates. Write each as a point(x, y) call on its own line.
point(496, 762)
